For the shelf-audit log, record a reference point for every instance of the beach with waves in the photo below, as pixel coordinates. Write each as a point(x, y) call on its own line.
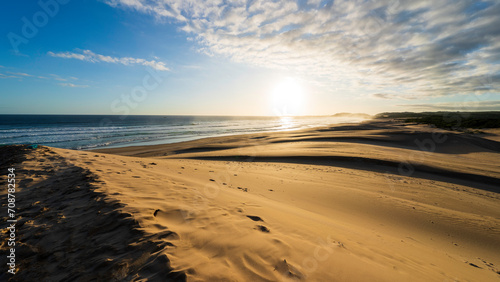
point(379, 200)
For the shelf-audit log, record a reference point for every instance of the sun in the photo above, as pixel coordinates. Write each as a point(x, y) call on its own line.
point(287, 97)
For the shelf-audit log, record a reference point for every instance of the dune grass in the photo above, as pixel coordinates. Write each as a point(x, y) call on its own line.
point(449, 120)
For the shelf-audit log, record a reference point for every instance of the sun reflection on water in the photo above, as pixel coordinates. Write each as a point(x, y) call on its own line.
point(286, 123)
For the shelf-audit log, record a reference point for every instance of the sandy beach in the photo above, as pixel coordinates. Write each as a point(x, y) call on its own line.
point(375, 201)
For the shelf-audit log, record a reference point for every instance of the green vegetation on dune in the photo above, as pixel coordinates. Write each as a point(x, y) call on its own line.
point(449, 120)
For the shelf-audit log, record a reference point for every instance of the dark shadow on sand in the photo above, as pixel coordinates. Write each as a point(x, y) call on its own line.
point(67, 231)
point(482, 182)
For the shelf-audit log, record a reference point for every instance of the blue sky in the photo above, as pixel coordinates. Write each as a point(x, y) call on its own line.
point(234, 57)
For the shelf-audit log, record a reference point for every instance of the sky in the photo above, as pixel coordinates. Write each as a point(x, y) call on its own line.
point(256, 57)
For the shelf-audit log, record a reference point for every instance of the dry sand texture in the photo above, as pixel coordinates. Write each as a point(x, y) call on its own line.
point(378, 201)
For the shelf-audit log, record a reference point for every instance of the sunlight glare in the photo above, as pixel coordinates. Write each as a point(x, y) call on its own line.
point(287, 98)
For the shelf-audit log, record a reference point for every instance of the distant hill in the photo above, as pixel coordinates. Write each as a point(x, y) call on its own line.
point(355, 115)
point(448, 120)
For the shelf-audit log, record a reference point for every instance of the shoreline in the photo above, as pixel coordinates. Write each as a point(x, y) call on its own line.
point(319, 204)
point(127, 150)
point(249, 147)
point(98, 132)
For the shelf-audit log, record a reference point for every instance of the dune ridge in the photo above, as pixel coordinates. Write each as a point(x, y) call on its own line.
point(70, 231)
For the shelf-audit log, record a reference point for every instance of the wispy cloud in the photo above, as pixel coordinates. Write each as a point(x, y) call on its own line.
point(16, 75)
point(73, 85)
point(150, 7)
point(392, 96)
point(90, 56)
point(57, 77)
point(19, 74)
point(8, 76)
point(425, 48)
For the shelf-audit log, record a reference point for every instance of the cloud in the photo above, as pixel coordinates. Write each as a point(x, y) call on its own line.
point(90, 56)
point(19, 74)
point(56, 77)
point(389, 96)
point(158, 9)
point(8, 76)
point(424, 48)
point(22, 75)
point(383, 96)
point(73, 85)
point(457, 106)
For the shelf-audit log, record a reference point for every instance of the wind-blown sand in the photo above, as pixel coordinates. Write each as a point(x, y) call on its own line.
point(342, 203)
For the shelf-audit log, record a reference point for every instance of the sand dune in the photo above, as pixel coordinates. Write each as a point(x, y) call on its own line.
point(69, 230)
point(377, 201)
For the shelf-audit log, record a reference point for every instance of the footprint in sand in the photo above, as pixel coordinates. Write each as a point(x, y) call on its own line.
point(166, 234)
point(288, 270)
point(263, 228)
point(255, 218)
point(474, 265)
point(173, 216)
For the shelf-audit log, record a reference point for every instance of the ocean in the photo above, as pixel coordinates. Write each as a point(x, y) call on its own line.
point(85, 132)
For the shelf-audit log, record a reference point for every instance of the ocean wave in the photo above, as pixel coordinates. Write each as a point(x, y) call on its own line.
point(141, 131)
